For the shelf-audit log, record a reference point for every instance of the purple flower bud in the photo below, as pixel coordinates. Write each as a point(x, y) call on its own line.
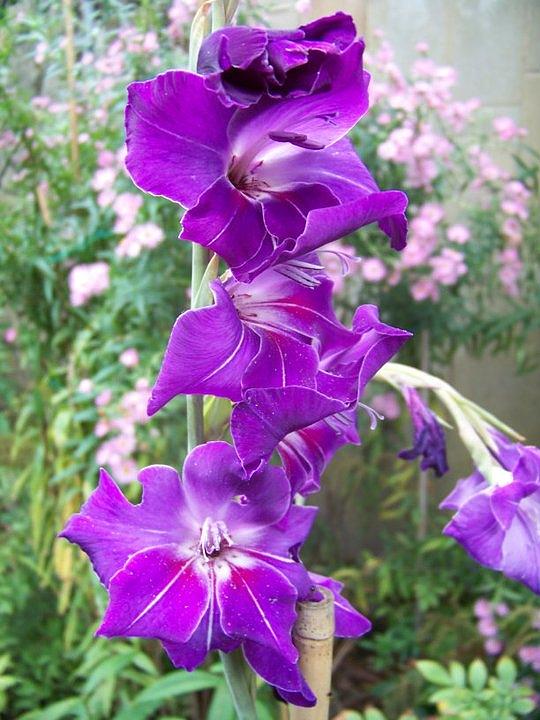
point(429, 440)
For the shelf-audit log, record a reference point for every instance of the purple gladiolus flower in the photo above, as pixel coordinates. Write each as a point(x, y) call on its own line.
point(207, 562)
point(499, 524)
point(243, 63)
point(262, 184)
point(270, 418)
point(429, 439)
point(262, 334)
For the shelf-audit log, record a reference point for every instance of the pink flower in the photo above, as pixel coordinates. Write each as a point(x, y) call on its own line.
point(102, 427)
point(510, 271)
point(425, 288)
point(126, 207)
point(487, 628)
point(448, 267)
point(422, 48)
point(146, 235)
point(10, 335)
point(104, 398)
point(86, 281)
point(482, 608)
point(373, 270)
point(129, 358)
point(85, 386)
point(530, 654)
point(387, 404)
point(459, 234)
point(493, 646)
point(103, 179)
point(507, 129)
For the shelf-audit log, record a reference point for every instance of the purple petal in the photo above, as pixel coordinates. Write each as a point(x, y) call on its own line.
point(281, 674)
point(266, 416)
point(110, 529)
point(338, 29)
point(465, 489)
point(281, 361)
point(475, 527)
point(208, 636)
point(176, 136)
point(158, 594)
point(216, 486)
point(306, 452)
point(349, 622)
point(323, 117)
point(208, 352)
point(229, 223)
point(521, 548)
point(257, 603)
point(286, 208)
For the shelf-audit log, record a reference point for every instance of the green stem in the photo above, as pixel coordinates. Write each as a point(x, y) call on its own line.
point(239, 682)
point(237, 673)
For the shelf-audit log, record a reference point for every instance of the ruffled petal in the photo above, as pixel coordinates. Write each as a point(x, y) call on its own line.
point(158, 594)
point(229, 223)
point(257, 603)
point(521, 547)
point(216, 486)
point(176, 133)
point(281, 361)
point(110, 529)
point(465, 489)
point(208, 352)
point(266, 416)
point(208, 636)
point(349, 622)
point(306, 452)
point(280, 673)
point(311, 121)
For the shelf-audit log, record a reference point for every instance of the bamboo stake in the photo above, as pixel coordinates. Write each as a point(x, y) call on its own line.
point(313, 635)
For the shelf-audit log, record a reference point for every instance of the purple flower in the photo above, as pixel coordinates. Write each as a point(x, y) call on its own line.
point(289, 418)
point(261, 184)
point(499, 524)
point(243, 63)
point(429, 439)
point(264, 334)
point(208, 562)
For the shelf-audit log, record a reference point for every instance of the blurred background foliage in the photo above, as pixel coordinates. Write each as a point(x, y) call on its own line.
point(92, 277)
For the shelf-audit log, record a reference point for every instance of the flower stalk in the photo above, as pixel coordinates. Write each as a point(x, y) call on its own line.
point(203, 269)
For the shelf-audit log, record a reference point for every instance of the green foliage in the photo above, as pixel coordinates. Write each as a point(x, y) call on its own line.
point(472, 694)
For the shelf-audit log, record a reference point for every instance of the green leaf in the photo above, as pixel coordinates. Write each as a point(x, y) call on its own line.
point(372, 713)
point(433, 672)
point(457, 672)
point(506, 670)
point(177, 683)
point(221, 706)
point(478, 675)
point(523, 706)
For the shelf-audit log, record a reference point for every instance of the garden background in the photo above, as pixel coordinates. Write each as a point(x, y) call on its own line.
point(92, 276)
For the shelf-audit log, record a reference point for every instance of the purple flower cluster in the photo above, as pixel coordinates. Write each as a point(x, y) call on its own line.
point(498, 523)
point(253, 147)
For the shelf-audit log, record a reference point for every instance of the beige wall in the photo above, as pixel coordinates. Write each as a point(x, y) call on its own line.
point(495, 46)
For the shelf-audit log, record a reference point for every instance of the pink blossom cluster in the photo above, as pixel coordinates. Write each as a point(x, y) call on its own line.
point(514, 204)
point(507, 129)
point(87, 280)
point(111, 64)
point(180, 15)
point(387, 404)
point(486, 613)
point(10, 335)
point(125, 205)
point(116, 452)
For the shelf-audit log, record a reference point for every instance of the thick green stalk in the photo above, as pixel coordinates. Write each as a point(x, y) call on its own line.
point(237, 674)
point(239, 680)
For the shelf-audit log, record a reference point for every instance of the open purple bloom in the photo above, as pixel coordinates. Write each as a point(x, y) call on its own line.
point(271, 418)
point(499, 524)
point(264, 334)
point(429, 439)
point(266, 183)
point(244, 63)
point(203, 563)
